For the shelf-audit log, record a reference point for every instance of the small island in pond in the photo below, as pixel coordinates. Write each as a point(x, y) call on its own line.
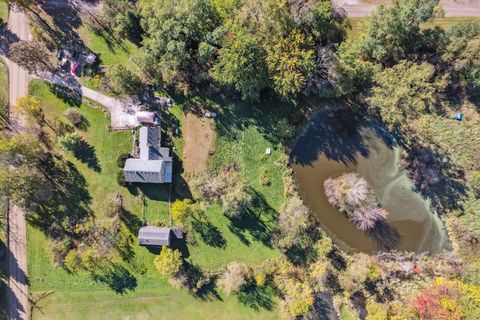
point(351, 195)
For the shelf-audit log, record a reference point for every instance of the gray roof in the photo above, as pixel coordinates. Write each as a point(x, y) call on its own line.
point(154, 236)
point(154, 164)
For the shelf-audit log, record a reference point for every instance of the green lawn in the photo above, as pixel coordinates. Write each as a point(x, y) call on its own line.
point(80, 297)
point(3, 91)
point(108, 49)
point(3, 11)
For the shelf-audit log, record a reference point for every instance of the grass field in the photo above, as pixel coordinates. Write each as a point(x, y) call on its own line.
point(3, 11)
point(80, 297)
point(3, 90)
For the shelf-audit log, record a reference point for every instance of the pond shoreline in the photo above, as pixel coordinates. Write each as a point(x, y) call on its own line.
point(321, 151)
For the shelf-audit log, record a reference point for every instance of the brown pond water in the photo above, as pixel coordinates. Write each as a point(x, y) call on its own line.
point(324, 151)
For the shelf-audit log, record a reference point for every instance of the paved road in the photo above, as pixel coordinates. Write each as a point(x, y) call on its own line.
point(18, 301)
point(469, 8)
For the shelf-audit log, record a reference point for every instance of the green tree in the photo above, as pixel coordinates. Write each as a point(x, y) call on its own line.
point(70, 142)
point(403, 92)
point(125, 81)
point(183, 212)
point(168, 262)
point(462, 54)
point(32, 55)
point(350, 72)
point(394, 31)
point(173, 33)
point(241, 64)
point(290, 62)
point(123, 19)
point(31, 106)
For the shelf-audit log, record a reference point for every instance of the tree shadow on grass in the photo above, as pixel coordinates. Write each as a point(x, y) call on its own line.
point(68, 96)
point(119, 279)
point(437, 177)
point(68, 195)
point(258, 219)
point(256, 297)
point(200, 283)
point(86, 154)
point(132, 222)
point(210, 234)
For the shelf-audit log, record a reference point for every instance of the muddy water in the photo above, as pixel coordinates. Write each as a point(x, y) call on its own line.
point(322, 152)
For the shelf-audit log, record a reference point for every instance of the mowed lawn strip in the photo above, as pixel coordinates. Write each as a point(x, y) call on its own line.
point(77, 296)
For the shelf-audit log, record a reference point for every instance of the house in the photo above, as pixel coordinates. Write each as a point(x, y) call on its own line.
point(154, 164)
point(158, 236)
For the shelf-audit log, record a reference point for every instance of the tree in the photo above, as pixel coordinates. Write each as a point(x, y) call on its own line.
point(290, 63)
point(32, 55)
point(293, 221)
point(234, 277)
point(123, 19)
point(462, 54)
point(74, 116)
point(123, 80)
point(70, 142)
point(31, 106)
point(350, 72)
point(318, 18)
point(227, 187)
point(241, 64)
point(174, 31)
point(182, 212)
point(394, 31)
point(22, 177)
point(168, 262)
point(403, 92)
point(376, 311)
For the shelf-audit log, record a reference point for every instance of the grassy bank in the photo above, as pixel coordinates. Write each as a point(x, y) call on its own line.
point(80, 297)
point(3, 11)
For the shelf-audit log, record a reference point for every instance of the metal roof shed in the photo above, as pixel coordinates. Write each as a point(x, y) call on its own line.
point(154, 236)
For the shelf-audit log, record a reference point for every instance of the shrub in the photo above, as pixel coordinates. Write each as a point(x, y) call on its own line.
point(168, 262)
point(122, 159)
point(234, 277)
point(70, 142)
point(293, 221)
point(121, 179)
point(74, 116)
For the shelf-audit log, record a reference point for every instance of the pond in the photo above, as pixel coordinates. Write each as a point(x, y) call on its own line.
point(329, 147)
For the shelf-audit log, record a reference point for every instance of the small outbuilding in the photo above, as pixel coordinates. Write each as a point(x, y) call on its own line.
point(155, 236)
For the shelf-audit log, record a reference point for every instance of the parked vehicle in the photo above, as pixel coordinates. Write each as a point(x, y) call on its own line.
point(74, 68)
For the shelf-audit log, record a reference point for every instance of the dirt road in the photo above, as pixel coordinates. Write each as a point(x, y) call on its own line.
point(18, 302)
point(452, 8)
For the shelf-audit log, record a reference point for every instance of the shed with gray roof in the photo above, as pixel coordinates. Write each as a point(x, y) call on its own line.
point(155, 236)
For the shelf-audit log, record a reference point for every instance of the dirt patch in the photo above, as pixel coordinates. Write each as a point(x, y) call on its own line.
point(199, 137)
